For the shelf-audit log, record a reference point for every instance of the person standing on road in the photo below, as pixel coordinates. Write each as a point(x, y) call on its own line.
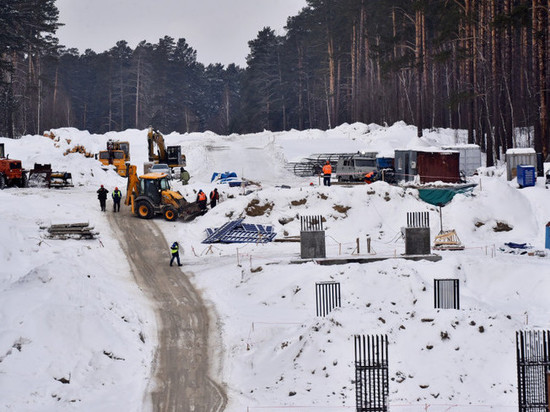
point(174, 250)
point(117, 195)
point(102, 196)
point(327, 172)
point(214, 198)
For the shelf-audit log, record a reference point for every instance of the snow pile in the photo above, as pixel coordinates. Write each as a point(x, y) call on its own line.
point(77, 332)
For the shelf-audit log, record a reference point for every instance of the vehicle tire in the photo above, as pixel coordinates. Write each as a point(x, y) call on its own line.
point(2, 182)
point(145, 209)
point(170, 214)
point(24, 182)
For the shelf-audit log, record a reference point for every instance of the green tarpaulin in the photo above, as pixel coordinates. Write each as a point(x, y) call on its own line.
point(440, 196)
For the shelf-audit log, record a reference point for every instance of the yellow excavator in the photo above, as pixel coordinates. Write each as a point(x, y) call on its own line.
point(150, 195)
point(170, 155)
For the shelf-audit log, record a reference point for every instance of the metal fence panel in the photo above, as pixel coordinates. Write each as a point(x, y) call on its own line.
point(446, 294)
point(327, 297)
point(371, 373)
point(533, 364)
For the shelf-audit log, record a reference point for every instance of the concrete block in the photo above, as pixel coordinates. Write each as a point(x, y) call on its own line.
point(417, 241)
point(312, 244)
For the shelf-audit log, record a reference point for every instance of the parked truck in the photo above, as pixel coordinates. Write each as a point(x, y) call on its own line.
point(11, 171)
point(117, 154)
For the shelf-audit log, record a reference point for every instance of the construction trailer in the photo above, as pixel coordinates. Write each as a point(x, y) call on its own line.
point(429, 166)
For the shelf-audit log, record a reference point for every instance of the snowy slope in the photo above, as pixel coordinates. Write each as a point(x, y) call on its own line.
point(69, 310)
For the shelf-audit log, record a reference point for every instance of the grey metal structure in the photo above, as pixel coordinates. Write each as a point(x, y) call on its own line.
point(446, 294)
point(418, 219)
point(515, 157)
point(533, 364)
point(312, 238)
point(417, 234)
point(327, 297)
point(371, 373)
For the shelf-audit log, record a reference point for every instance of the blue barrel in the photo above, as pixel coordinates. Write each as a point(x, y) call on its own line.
point(547, 244)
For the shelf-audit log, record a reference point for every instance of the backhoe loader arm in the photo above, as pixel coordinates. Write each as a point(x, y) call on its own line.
point(133, 182)
point(155, 138)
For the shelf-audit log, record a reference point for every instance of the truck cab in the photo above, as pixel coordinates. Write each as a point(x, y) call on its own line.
point(353, 167)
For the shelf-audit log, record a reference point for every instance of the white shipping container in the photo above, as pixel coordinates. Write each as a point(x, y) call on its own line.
point(470, 157)
point(516, 157)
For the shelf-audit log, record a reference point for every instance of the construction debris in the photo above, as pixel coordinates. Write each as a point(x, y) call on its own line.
point(43, 176)
point(238, 232)
point(448, 240)
point(70, 231)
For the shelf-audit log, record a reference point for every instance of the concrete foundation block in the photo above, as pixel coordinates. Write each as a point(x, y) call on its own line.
point(417, 241)
point(312, 244)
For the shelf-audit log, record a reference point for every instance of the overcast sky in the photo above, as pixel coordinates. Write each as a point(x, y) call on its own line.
point(219, 30)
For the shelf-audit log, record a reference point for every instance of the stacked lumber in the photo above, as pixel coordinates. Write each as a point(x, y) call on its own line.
point(71, 231)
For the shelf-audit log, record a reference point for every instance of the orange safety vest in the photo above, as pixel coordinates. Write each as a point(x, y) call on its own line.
point(202, 196)
point(327, 169)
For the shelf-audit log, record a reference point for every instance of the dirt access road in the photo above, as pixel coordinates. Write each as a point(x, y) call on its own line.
point(180, 371)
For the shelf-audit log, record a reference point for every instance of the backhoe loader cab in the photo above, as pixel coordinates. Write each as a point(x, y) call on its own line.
point(150, 195)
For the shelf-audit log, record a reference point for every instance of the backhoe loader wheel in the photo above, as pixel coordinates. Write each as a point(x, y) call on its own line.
point(170, 214)
point(2, 182)
point(144, 210)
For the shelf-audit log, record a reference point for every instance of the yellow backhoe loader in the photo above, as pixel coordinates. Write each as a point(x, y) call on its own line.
point(150, 195)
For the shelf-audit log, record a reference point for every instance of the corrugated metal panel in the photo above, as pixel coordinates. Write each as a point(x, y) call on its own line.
point(470, 157)
point(517, 157)
point(438, 166)
point(405, 165)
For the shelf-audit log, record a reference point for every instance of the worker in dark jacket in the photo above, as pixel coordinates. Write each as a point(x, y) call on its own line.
point(201, 199)
point(116, 195)
point(102, 196)
point(174, 250)
point(214, 198)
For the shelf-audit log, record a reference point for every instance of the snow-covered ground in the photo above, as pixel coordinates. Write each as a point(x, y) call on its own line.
point(76, 333)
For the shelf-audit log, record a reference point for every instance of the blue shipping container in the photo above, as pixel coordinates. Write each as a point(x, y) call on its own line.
point(526, 175)
point(384, 162)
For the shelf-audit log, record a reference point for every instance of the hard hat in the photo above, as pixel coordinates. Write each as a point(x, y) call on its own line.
point(116, 188)
point(101, 185)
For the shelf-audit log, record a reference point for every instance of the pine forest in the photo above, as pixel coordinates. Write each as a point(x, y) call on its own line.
point(481, 66)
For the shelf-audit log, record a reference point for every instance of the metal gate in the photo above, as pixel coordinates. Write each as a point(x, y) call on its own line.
point(371, 373)
point(418, 219)
point(533, 358)
point(327, 297)
point(446, 294)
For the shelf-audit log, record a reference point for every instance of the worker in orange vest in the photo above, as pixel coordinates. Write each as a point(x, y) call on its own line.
point(327, 172)
point(370, 177)
point(201, 199)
